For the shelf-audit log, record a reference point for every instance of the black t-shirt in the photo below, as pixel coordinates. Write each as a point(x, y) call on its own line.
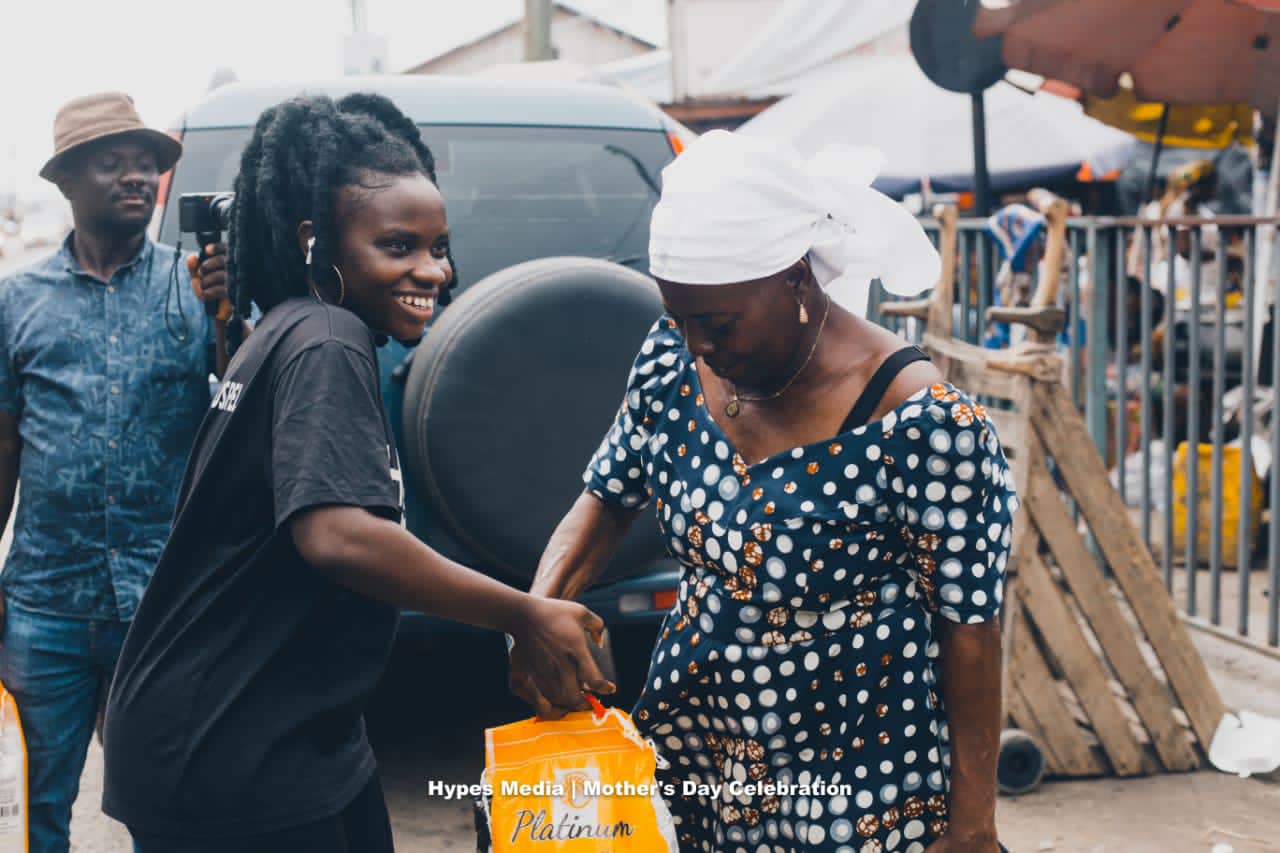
point(237, 701)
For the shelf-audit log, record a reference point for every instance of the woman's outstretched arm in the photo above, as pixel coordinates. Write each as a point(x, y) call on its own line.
point(581, 546)
point(382, 560)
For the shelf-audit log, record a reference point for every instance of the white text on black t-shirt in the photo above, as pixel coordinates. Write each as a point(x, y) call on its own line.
point(227, 397)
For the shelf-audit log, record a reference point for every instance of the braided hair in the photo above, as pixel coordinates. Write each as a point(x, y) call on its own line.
point(301, 151)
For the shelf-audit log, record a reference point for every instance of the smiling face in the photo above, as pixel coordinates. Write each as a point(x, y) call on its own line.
point(746, 332)
point(392, 248)
point(111, 185)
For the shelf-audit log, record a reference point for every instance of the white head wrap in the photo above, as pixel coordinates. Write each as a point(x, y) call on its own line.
point(737, 208)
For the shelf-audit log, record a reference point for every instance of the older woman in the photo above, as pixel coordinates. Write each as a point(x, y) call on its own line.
point(830, 496)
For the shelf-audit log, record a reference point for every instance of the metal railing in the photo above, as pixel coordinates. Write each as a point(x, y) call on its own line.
point(1183, 373)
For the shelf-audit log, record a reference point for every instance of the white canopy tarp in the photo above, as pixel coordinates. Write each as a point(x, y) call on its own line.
point(926, 132)
point(803, 36)
point(649, 73)
point(800, 40)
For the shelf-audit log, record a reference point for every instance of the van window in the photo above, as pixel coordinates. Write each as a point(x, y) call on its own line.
point(513, 193)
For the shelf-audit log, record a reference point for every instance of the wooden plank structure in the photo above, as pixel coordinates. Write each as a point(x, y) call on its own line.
point(1098, 667)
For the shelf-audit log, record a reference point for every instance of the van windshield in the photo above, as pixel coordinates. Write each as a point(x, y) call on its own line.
point(513, 193)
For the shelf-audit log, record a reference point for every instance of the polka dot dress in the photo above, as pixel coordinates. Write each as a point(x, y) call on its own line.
point(794, 688)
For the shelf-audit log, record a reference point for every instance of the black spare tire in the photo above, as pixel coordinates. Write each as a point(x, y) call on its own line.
point(511, 392)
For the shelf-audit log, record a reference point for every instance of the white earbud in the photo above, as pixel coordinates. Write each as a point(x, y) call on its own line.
point(311, 241)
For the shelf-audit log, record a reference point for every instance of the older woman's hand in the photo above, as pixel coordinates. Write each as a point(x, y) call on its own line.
point(550, 661)
point(521, 683)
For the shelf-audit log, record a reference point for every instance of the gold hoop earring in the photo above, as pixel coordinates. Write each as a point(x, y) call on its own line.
point(342, 284)
point(342, 287)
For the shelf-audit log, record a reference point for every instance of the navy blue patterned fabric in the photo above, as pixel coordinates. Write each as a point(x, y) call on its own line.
point(801, 649)
point(108, 402)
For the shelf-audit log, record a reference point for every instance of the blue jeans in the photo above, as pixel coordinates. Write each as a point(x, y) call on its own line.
point(57, 669)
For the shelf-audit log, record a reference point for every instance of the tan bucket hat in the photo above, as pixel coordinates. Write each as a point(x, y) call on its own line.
point(93, 117)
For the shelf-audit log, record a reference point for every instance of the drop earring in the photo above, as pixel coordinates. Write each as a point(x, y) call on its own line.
point(804, 315)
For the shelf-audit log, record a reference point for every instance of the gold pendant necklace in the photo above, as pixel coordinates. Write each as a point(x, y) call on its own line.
point(734, 407)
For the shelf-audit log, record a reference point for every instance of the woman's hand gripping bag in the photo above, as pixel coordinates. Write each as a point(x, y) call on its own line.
point(581, 784)
point(13, 777)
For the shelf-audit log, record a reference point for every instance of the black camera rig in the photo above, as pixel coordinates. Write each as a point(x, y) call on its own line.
point(206, 215)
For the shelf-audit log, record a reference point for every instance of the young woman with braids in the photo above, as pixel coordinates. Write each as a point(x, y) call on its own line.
point(234, 721)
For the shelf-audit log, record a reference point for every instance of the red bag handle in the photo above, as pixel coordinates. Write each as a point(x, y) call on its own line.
point(596, 707)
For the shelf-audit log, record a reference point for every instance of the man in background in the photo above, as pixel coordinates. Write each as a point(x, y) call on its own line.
point(105, 357)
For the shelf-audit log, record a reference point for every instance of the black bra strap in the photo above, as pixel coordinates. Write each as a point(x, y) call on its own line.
point(880, 382)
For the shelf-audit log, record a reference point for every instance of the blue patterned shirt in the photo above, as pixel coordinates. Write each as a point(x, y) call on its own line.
point(108, 401)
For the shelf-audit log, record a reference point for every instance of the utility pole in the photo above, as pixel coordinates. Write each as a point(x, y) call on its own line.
point(677, 38)
point(363, 52)
point(537, 30)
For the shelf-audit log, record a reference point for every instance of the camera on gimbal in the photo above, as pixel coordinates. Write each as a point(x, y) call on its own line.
point(206, 215)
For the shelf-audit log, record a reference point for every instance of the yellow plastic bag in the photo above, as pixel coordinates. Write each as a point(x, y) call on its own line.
point(13, 777)
point(581, 784)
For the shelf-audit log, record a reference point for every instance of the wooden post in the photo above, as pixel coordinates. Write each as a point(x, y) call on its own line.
point(1151, 700)
point(1061, 428)
point(537, 31)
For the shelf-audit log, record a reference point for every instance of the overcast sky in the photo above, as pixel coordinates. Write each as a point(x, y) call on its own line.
point(165, 52)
